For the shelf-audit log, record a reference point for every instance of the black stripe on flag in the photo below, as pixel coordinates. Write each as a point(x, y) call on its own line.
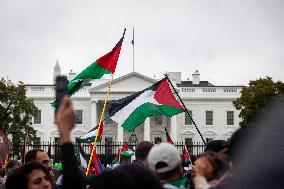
point(117, 105)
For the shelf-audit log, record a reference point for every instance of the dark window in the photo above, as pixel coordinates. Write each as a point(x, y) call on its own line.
point(79, 116)
point(157, 140)
point(108, 121)
point(209, 117)
point(37, 141)
point(230, 117)
point(188, 141)
point(37, 118)
point(109, 146)
point(77, 140)
point(158, 119)
point(187, 120)
point(108, 139)
point(57, 140)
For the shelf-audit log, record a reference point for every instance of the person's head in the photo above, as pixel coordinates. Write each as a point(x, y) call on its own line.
point(209, 165)
point(127, 177)
point(38, 155)
point(164, 159)
point(235, 151)
point(33, 175)
point(142, 151)
point(218, 146)
point(124, 160)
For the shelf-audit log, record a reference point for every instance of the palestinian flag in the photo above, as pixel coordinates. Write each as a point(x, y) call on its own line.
point(132, 110)
point(185, 156)
point(169, 140)
point(91, 135)
point(97, 165)
point(125, 151)
point(82, 156)
point(104, 65)
point(117, 157)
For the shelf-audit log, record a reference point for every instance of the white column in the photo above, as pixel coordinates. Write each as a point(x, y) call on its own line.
point(119, 133)
point(94, 116)
point(173, 133)
point(147, 136)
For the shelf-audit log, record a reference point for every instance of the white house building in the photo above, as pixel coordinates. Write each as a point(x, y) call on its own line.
point(210, 106)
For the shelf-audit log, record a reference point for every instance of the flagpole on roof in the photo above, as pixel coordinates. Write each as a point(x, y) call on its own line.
point(132, 42)
point(100, 123)
point(186, 110)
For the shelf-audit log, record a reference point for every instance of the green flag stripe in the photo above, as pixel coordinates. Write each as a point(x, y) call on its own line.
point(139, 115)
point(94, 71)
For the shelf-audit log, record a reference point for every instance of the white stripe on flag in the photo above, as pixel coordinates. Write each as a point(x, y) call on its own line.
point(124, 113)
point(89, 134)
point(83, 161)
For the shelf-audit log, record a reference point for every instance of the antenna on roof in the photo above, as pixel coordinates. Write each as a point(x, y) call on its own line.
point(132, 42)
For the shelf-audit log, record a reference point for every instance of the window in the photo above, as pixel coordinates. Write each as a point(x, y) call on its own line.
point(209, 117)
point(108, 121)
point(187, 120)
point(79, 116)
point(77, 140)
point(57, 140)
point(157, 140)
point(109, 145)
point(230, 117)
point(188, 141)
point(37, 141)
point(37, 118)
point(158, 119)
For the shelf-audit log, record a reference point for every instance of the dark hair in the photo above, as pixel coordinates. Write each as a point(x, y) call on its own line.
point(216, 146)
point(31, 155)
point(218, 164)
point(235, 151)
point(19, 179)
point(143, 149)
point(127, 177)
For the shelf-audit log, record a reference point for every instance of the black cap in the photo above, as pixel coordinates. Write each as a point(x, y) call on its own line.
point(216, 145)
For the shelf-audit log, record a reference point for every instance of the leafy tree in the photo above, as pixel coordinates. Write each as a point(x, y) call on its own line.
point(16, 111)
point(256, 96)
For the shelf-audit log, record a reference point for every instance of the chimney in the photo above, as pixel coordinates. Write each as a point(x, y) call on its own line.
point(175, 76)
point(195, 78)
point(71, 75)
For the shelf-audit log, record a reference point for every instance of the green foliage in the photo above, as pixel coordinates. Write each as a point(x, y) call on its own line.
point(16, 111)
point(256, 96)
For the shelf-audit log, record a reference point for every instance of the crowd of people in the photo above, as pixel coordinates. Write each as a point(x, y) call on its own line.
point(155, 166)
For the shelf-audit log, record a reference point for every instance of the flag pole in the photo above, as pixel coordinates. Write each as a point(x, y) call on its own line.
point(100, 122)
point(132, 42)
point(186, 110)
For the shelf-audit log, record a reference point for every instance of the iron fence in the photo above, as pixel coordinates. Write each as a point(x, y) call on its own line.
point(105, 151)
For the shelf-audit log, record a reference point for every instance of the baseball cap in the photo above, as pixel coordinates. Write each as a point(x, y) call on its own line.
point(164, 154)
point(216, 145)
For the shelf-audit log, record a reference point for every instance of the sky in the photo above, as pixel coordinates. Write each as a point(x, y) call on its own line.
point(229, 42)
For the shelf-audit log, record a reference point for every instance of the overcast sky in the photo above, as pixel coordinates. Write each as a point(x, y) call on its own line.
point(228, 41)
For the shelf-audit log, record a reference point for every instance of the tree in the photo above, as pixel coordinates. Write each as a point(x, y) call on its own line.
point(256, 96)
point(16, 111)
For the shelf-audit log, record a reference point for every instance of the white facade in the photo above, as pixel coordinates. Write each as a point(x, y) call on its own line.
point(198, 97)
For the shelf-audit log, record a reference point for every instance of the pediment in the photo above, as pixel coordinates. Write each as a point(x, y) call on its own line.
point(131, 82)
point(209, 133)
